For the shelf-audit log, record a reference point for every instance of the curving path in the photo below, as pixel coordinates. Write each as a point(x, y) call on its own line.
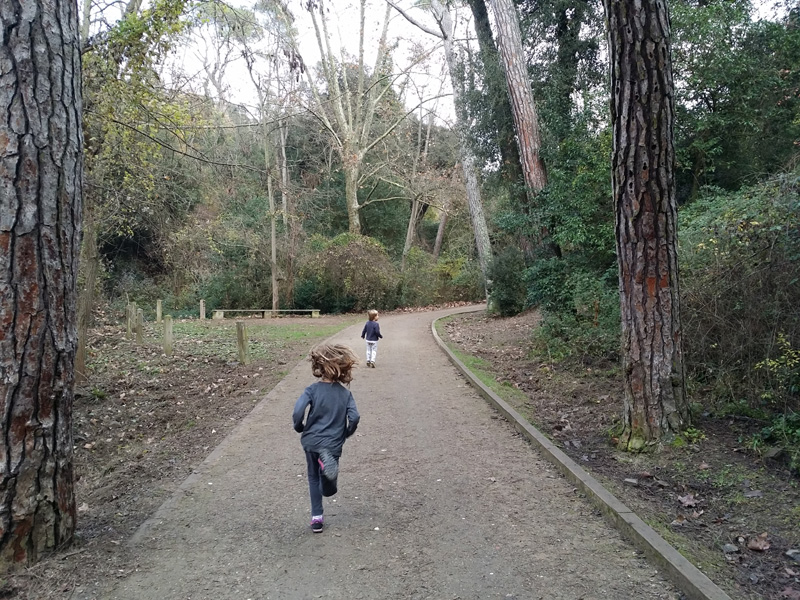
point(439, 498)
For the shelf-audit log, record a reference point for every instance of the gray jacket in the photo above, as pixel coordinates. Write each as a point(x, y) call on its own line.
point(332, 417)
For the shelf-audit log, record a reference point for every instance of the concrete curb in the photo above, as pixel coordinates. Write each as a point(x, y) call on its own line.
point(693, 582)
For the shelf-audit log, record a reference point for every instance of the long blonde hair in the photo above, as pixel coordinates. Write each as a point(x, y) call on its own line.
point(333, 362)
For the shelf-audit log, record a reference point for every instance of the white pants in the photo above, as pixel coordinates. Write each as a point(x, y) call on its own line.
point(372, 351)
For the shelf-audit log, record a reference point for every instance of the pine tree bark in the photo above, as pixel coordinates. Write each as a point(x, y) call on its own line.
point(526, 118)
point(40, 215)
point(643, 173)
point(497, 91)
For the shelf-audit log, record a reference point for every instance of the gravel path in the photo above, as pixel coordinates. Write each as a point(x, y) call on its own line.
point(439, 498)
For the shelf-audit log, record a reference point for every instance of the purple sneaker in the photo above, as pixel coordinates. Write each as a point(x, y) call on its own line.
point(317, 524)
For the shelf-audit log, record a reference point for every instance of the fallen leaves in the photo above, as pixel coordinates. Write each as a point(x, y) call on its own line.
point(758, 543)
point(688, 500)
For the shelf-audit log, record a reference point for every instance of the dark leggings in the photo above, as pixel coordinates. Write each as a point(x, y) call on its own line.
point(318, 484)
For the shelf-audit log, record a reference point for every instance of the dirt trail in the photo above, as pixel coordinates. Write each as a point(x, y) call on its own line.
point(439, 498)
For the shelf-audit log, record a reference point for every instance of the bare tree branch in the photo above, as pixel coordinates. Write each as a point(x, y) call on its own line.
point(413, 21)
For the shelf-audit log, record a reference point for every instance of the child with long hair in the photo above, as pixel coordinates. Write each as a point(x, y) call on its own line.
point(332, 417)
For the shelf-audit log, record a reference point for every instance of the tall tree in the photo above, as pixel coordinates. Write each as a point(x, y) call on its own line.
point(643, 180)
point(348, 109)
point(444, 20)
point(526, 118)
point(40, 216)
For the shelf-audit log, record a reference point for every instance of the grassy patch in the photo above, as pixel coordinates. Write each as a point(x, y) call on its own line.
point(266, 341)
point(483, 371)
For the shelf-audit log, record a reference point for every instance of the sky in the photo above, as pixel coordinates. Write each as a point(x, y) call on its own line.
point(343, 24)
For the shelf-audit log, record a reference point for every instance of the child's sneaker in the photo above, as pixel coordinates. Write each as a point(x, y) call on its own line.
point(329, 465)
point(316, 524)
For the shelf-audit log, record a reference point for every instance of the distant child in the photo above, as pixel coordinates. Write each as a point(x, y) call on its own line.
point(372, 333)
point(332, 417)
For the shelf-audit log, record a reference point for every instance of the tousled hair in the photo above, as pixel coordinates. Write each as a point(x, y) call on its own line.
point(333, 362)
point(372, 314)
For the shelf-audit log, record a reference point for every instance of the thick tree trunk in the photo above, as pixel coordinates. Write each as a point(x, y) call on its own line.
point(643, 169)
point(351, 175)
point(526, 119)
point(40, 214)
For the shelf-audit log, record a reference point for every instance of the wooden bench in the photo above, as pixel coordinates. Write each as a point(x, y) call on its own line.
point(219, 313)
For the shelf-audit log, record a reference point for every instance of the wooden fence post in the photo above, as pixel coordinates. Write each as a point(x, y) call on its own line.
point(158, 311)
point(134, 308)
point(202, 310)
point(168, 335)
point(128, 321)
point(139, 326)
point(242, 343)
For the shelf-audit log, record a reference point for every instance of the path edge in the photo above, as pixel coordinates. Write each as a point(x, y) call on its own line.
point(691, 580)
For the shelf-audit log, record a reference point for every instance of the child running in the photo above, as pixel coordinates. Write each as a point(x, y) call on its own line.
point(372, 333)
point(332, 417)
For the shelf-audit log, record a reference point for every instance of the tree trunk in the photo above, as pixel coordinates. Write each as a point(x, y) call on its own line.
point(416, 206)
point(273, 245)
point(643, 167)
point(40, 215)
point(283, 133)
point(437, 246)
point(90, 267)
point(468, 160)
point(501, 107)
point(526, 119)
point(351, 175)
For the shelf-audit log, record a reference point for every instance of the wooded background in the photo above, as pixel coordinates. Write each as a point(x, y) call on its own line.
point(346, 183)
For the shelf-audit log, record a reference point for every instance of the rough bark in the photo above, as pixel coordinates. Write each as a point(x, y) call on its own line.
point(643, 170)
point(501, 106)
point(40, 214)
point(526, 118)
point(352, 172)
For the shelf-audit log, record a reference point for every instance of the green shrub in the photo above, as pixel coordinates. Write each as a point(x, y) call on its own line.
point(581, 314)
point(459, 279)
point(347, 273)
point(508, 292)
point(419, 280)
point(783, 433)
point(740, 267)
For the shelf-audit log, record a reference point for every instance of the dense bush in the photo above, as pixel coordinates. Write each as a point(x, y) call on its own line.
point(419, 281)
point(508, 292)
point(348, 273)
point(459, 279)
point(740, 267)
point(581, 314)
